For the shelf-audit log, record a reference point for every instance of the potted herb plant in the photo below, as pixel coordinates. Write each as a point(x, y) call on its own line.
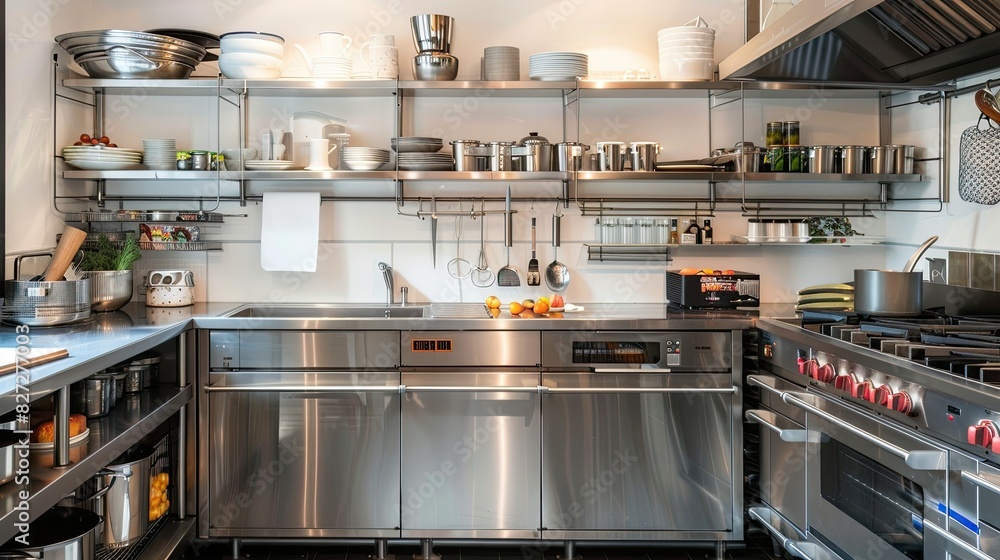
point(109, 267)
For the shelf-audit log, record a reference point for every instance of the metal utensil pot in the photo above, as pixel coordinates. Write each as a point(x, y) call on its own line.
point(643, 155)
point(41, 303)
point(570, 156)
point(888, 293)
point(126, 505)
point(532, 153)
point(61, 533)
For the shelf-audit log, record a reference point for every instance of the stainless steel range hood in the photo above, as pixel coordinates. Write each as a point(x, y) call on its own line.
point(905, 42)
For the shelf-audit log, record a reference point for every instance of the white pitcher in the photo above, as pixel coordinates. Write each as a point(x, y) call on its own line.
point(334, 43)
point(306, 125)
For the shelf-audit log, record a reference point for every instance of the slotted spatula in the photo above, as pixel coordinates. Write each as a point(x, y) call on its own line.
point(534, 278)
point(508, 276)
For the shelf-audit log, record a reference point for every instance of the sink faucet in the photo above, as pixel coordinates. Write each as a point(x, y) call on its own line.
point(387, 276)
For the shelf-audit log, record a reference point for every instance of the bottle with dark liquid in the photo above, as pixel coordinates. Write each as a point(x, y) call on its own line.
point(706, 233)
point(695, 230)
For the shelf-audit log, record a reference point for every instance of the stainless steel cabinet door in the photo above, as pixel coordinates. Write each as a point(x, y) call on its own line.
point(616, 463)
point(304, 454)
point(470, 448)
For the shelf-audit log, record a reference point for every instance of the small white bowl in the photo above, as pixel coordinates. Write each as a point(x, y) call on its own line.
point(248, 66)
point(252, 42)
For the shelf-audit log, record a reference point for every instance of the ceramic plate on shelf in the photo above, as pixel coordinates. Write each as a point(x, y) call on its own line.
point(269, 164)
point(92, 165)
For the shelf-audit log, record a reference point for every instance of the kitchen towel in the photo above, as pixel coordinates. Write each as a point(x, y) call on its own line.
point(289, 231)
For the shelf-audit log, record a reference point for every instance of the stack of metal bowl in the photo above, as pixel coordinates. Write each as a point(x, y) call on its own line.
point(115, 53)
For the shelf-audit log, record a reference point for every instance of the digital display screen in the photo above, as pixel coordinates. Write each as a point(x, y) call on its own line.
point(617, 352)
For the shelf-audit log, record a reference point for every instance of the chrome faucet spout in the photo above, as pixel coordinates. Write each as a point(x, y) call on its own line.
point(387, 276)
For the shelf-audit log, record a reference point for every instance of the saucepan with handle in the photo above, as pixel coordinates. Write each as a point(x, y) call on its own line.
point(891, 293)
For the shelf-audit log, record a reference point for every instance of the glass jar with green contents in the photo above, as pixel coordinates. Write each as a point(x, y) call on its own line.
point(776, 158)
point(790, 133)
point(774, 135)
point(795, 158)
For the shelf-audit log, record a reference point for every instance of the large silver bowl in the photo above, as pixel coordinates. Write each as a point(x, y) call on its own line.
point(80, 41)
point(432, 32)
point(122, 63)
point(435, 66)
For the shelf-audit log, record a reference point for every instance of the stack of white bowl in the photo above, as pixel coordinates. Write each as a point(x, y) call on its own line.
point(251, 55)
point(361, 158)
point(687, 53)
point(160, 153)
point(501, 64)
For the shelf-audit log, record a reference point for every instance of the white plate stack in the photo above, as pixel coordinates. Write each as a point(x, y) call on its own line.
point(687, 53)
point(269, 164)
point(557, 66)
point(101, 158)
point(160, 154)
point(501, 64)
point(361, 158)
point(333, 67)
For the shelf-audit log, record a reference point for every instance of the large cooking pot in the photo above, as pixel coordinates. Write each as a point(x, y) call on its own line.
point(61, 533)
point(888, 293)
point(570, 155)
point(126, 505)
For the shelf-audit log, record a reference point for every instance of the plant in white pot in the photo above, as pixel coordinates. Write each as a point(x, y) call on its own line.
point(109, 267)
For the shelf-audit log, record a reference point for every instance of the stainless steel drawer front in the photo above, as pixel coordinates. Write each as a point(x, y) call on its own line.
point(495, 349)
point(304, 454)
point(617, 464)
point(470, 455)
point(674, 350)
point(328, 350)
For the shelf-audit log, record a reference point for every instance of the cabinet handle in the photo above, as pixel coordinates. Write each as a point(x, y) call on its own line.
point(467, 389)
point(765, 383)
point(980, 481)
point(304, 389)
point(923, 460)
point(631, 370)
point(768, 419)
point(639, 390)
point(966, 547)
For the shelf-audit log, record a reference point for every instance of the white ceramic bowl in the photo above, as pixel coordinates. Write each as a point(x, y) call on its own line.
point(687, 50)
point(686, 69)
point(710, 42)
point(233, 161)
point(249, 66)
point(250, 41)
point(254, 46)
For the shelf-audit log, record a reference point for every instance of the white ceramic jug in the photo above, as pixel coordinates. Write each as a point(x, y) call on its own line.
point(307, 125)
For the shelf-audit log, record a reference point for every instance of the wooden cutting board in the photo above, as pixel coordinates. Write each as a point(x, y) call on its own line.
point(35, 356)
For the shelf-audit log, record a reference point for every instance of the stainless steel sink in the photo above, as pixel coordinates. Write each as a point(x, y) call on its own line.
point(263, 311)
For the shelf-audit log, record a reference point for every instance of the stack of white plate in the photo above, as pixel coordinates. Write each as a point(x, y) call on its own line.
point(160, 153)
point(687, 53)
point(101, 158)
point(361, 158)
point(332, 67)
point(425, 161)
point(501, 63)
point(406, 144)
point(557, 66)
point(268, 164)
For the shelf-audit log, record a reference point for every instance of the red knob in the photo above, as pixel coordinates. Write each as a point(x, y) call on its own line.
point(901, 402)
point(995, 444)
point(865, 390)
point(845, 382)
point(802, 365)
point(825, 373)
point(982, 434)
point(883, 396)
point(811, 368)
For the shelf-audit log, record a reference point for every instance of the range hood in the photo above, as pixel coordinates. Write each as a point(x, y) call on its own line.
point(901, 42)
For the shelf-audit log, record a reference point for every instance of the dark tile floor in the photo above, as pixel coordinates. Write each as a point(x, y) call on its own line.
point(757, 547)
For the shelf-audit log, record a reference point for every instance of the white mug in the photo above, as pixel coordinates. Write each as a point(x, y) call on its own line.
point(334, 43)
point(382, 61)
point(319, 154)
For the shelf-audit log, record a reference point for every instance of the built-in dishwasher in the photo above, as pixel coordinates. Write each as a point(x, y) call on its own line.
point(302, 434)
point(471, 434)
point(641, 436)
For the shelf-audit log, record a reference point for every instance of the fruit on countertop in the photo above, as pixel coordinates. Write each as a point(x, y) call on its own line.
point(528, 303)
point(493, 302)
point(515, 308)
point(688, 271)
point(540, 307)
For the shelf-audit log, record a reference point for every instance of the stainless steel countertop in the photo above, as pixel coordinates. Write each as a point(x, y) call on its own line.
point(109, 338)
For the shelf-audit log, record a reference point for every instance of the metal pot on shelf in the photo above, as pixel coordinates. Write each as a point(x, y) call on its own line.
point(532, 153)
point(570, 156)
point(126, 504)
point(61, 533)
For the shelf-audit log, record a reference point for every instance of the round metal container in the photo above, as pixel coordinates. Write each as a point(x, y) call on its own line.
point(41, 304)
point(570, 156)
point(903, 162)
point(94, 396)
point(854, 159)
point(110, 290)
point(884, 159)
point(61, 533)
point(611, 156)
point(888, 293)
point(643, 155)
point(537, 153)
point(465, 157)
point(126, 505)
point(823, 159)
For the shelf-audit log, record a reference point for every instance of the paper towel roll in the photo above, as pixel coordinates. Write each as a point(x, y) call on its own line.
point(289, 232)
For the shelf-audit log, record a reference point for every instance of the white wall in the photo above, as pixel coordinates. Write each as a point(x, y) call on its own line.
point(356, 235)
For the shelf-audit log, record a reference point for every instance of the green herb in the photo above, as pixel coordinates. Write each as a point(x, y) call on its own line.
point(106, 256)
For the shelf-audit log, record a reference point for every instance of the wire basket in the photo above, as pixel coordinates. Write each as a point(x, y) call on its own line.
point(38, 303)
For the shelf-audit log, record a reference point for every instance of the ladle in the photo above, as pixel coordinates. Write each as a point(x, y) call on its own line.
point(910, 264)
point(556, 274)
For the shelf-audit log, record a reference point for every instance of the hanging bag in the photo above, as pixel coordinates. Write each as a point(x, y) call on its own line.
point(979, 164)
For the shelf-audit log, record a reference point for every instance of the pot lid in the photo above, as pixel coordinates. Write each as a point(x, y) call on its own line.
point(533, 139)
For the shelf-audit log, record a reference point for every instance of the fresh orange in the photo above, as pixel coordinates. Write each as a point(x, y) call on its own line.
point(540, 307)
point(516, 308)
point(688, 271)
point(493, 302)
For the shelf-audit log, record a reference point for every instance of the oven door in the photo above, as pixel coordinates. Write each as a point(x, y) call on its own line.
point(974, 514)
point(871, 487)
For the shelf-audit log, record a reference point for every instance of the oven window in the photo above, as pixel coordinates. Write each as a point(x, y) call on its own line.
point(882, 500)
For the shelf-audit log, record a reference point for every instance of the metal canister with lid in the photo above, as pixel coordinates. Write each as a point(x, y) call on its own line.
point(532, 153)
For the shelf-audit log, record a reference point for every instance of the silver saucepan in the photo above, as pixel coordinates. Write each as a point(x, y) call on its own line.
point(891, 293)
